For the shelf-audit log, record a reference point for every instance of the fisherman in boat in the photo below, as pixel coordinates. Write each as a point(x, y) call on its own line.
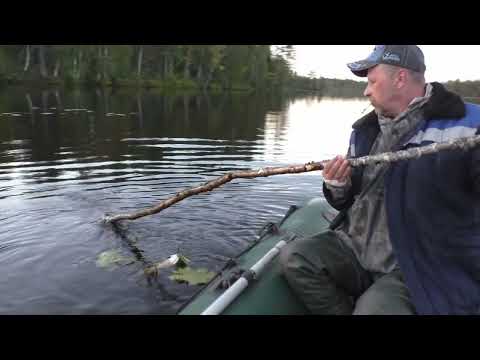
point(407, 236)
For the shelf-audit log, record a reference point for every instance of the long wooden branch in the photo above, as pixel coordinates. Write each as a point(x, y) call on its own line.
point(413, 153)
point(464, 144)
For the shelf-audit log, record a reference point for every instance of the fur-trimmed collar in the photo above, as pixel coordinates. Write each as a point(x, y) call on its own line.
point(443, 104)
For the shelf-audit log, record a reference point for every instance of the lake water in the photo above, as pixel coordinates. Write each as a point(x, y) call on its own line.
point(69, 157)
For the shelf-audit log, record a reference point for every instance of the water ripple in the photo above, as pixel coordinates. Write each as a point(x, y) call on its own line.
point(59, 175)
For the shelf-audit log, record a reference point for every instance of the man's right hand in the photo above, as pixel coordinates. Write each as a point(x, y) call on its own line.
point(338, 169)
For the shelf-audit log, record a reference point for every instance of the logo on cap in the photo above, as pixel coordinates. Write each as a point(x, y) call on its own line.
point(391, 57)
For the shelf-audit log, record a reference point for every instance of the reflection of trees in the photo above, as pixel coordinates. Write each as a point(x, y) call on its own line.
point(77, 99)
point(140, 109)
point(222, 116)
point(30, 107)
point(106, 99)
point(45, 97)
point(59, 104)
point(186, 109)
point(275, 124)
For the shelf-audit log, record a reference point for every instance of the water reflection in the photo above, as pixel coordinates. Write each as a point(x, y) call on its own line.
point(326, 124)
point(69, 157)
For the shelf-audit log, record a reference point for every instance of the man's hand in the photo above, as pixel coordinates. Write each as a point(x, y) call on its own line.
point(337, 169)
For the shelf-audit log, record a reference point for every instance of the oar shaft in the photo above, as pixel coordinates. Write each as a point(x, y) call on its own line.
point(217, 307)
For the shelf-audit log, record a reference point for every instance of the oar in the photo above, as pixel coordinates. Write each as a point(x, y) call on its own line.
point(222, 302)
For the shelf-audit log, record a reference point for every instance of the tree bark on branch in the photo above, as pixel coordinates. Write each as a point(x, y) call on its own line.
point(464, 144)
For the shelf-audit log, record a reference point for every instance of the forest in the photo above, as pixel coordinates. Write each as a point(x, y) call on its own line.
point(198, 67)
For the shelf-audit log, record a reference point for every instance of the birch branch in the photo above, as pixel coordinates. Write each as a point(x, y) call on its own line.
point(464, 144)
point(413, 153)
point(249, 174)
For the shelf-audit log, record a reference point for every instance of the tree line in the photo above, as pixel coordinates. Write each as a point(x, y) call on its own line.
point(206, 67)
point(349, 88)
point(465, 88)
point(212, 67)
point(179, 66)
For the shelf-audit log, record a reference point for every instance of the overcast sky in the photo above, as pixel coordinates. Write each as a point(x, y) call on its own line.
point(444, 62)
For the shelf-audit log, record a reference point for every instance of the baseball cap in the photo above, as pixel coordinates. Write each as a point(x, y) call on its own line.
point(405, 56)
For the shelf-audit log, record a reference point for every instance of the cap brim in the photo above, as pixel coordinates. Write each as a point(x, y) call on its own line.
point(360, 68)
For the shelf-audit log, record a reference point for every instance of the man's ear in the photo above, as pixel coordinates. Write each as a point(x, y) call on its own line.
point(401, 78)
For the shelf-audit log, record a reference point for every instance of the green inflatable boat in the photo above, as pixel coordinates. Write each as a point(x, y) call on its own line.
point(252, 283)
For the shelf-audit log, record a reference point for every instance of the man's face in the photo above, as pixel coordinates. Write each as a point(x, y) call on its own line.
point(380, 89)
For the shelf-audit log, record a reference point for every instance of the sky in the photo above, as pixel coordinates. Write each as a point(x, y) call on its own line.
point(444, 62)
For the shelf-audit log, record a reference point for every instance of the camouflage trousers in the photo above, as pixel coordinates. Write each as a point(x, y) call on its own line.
point(326, 276)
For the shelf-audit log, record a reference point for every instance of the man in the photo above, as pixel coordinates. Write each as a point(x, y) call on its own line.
point(407, 236)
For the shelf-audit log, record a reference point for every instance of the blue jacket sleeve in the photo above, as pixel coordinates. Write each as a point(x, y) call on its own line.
point(475, 168)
